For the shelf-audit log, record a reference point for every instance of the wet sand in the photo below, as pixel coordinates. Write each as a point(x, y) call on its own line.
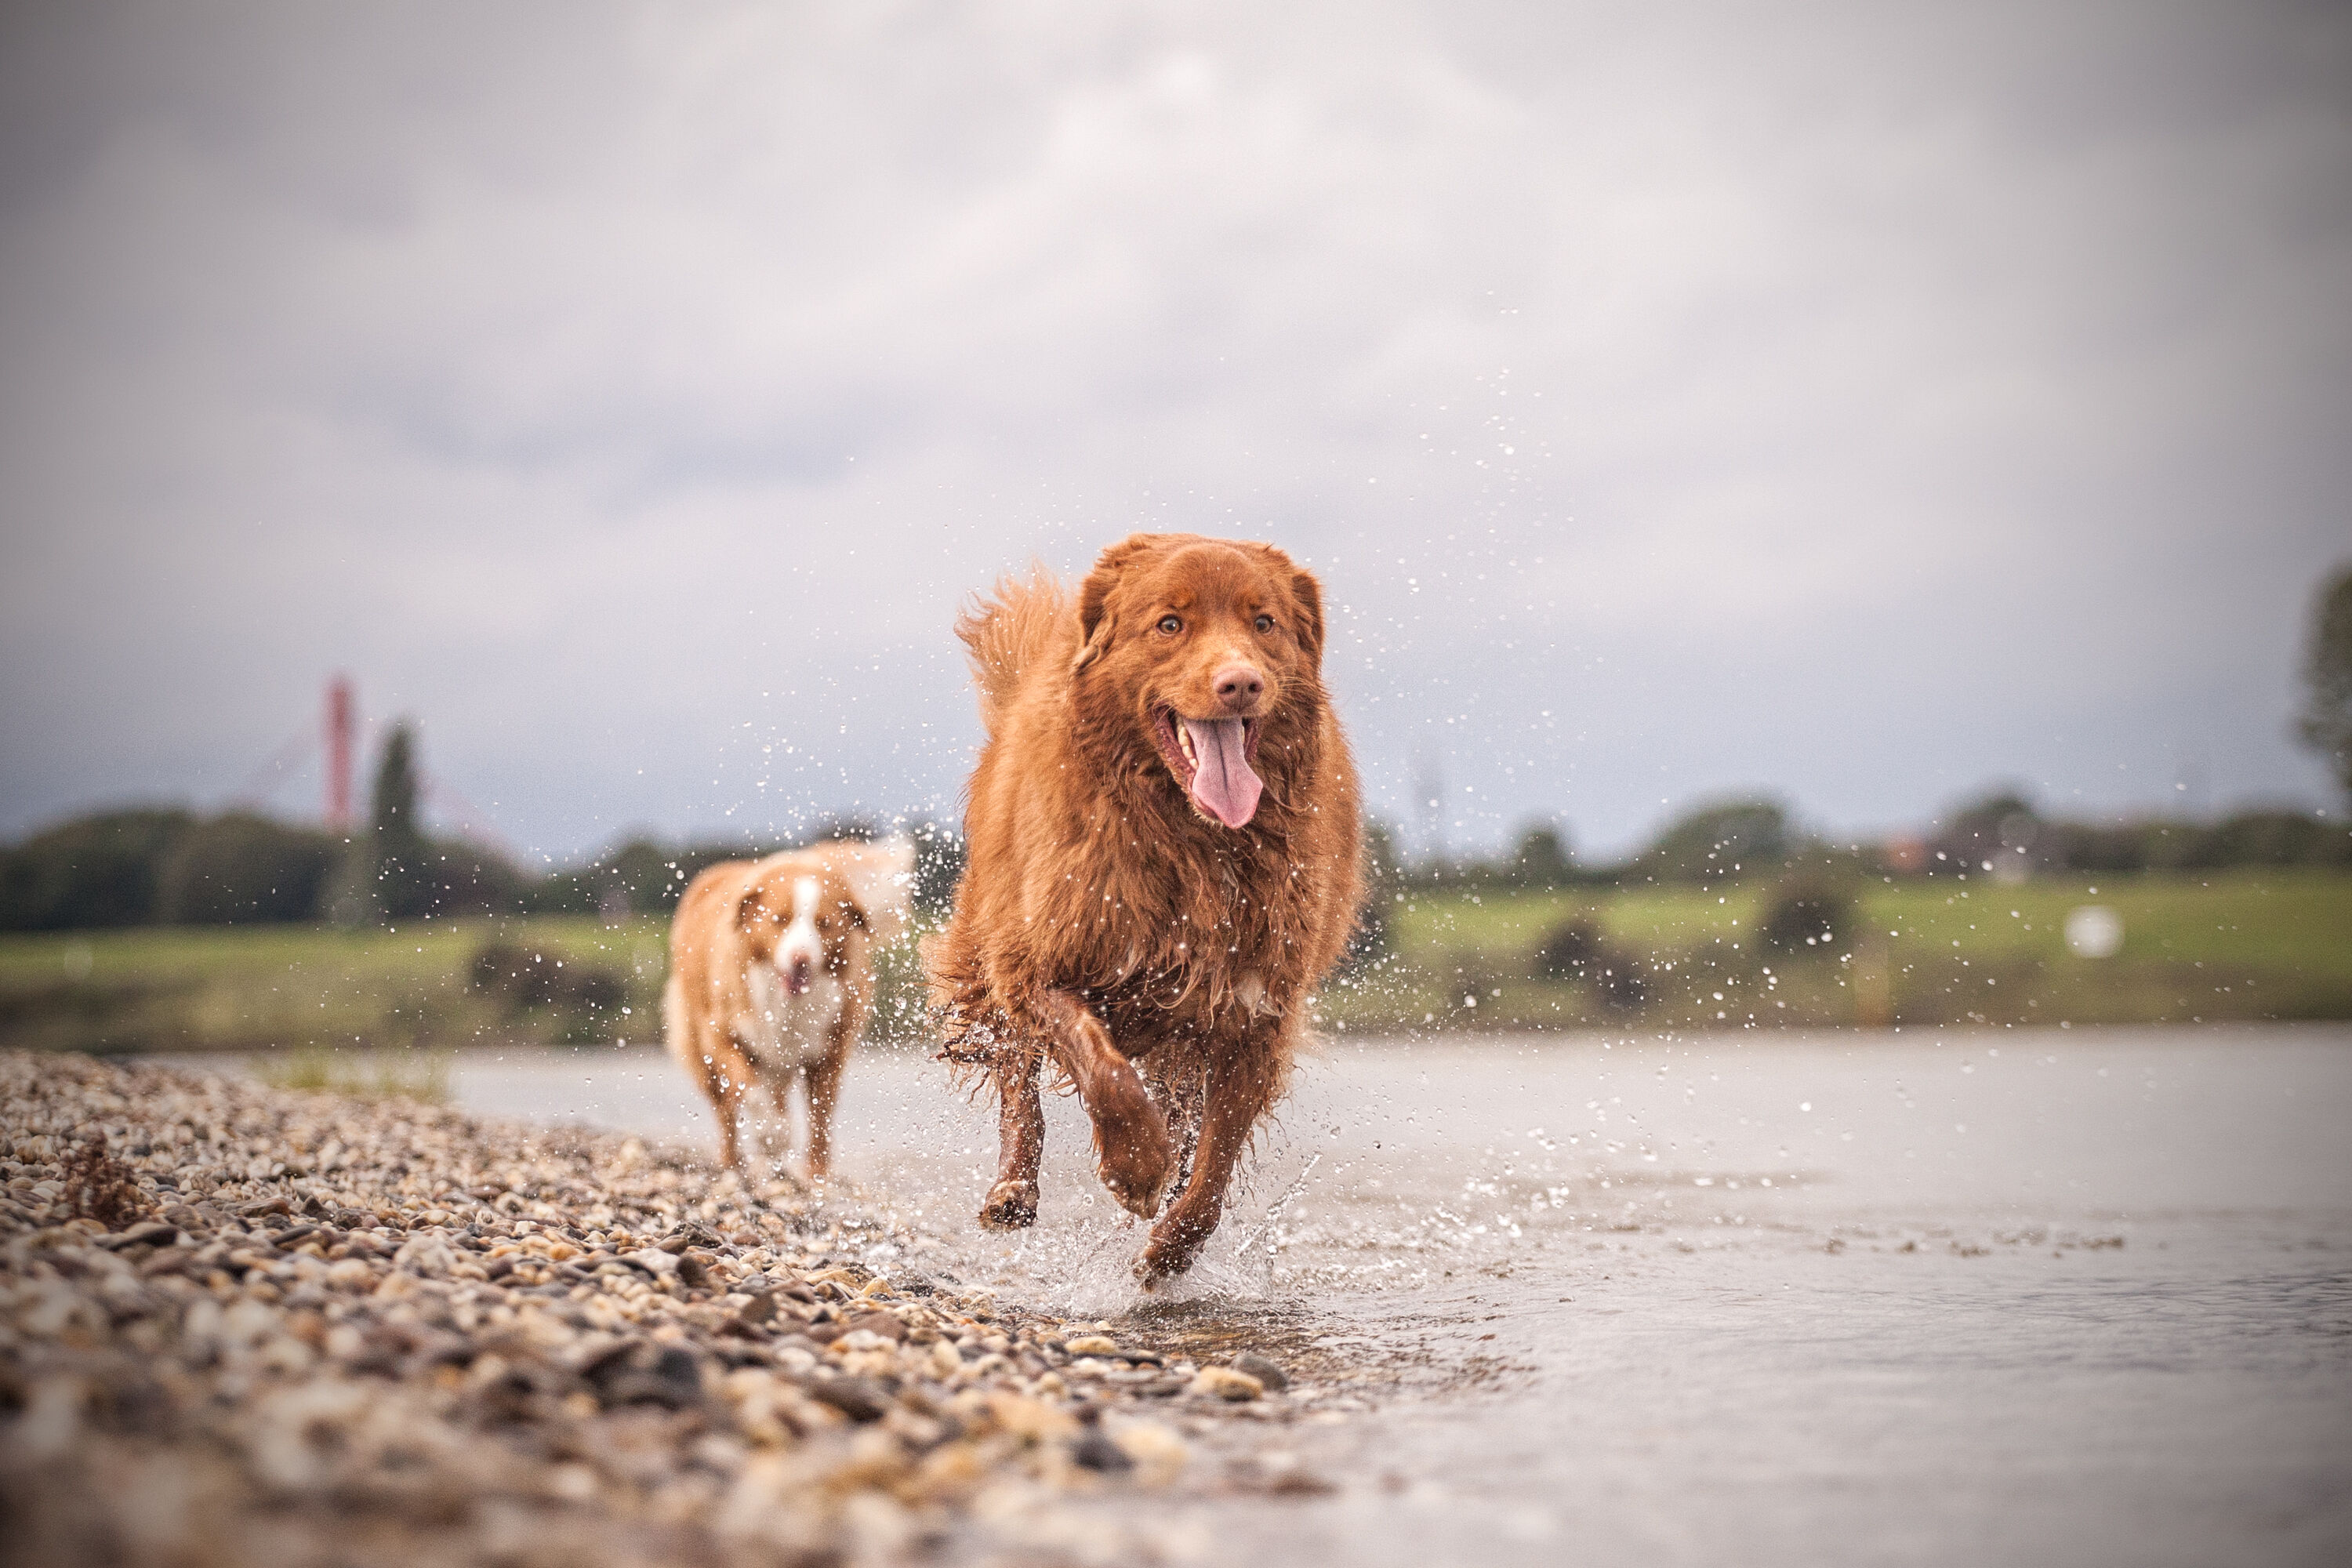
point(2078, 1297)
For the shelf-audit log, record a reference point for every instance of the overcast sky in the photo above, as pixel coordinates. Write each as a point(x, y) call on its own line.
point(1864, 403)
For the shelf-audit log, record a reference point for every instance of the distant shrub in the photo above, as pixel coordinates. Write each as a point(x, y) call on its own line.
point(1369, 940)
point(525, 978)
point(93, 871)
point(939, 866)
point(1979, 836)
point(1807, 917)
point(1541, 860)
point(1571, 952)
point(241, 869)
point(1728, 839)
point(2278, 838)
point(1625, 980)
point(1575, 950)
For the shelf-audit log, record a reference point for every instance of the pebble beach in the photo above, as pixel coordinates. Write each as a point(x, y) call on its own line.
point(245, 1325)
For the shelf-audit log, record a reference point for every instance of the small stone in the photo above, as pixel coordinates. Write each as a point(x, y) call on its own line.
point(592, 1354)
point(151, 1233)
point(1225, 1383)
point(653, 1260)
point(1096, 1450)
point(1092, 1344)
point(882, 1323)
point(1032, 1420)
point(1270, 1376)
point(855, 1397)
point(1158, 1452)
point(693, 1233)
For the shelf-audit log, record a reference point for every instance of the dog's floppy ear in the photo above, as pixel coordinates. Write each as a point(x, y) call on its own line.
point(1308, 594)
point(1095, 623)
point(841, 890)
point(752, 908)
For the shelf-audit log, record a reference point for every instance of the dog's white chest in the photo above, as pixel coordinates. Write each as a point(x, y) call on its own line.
point(781, 1031)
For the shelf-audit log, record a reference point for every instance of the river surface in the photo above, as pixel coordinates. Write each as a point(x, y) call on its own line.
point(2050, 1297)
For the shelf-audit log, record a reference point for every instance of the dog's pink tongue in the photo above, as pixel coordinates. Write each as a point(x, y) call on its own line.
point(1223, 782)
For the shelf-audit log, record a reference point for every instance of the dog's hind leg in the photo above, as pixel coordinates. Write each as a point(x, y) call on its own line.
point(1177, 1085)
point(1133, 1152)
point(728, 1092)
point(1011, 1203)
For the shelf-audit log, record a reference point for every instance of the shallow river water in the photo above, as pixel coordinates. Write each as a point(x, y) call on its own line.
point(2057, 1296)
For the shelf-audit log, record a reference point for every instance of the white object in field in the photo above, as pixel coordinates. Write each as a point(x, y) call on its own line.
point(2094, 931)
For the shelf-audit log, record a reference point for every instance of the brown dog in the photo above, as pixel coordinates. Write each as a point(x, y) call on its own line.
point(771, 977)
point(1163, 844)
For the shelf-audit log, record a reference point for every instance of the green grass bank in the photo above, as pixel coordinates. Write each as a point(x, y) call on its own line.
point(2246, 944)
point(538, 980)
point(2253, 944)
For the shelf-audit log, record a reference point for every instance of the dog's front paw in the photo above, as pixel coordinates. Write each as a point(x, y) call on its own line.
point(1134, 1154)
point(1011, 1205)
point(1175, 1244)
point(1156, 1266)
point(1138, 1171)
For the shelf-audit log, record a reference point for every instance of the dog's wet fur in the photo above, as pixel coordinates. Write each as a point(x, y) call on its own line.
point(1164, 862)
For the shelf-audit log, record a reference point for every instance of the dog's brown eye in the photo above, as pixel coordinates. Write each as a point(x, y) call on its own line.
point(1170, 625)
point(1266, 623)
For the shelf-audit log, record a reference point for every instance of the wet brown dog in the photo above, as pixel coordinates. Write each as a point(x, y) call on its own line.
point(771, 977)
point(1163, 844)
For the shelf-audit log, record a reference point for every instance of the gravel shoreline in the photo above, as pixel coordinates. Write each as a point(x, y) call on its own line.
point(247, 1325)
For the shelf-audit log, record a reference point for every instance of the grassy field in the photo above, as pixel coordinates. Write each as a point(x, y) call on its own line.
point(270, 987)
point(2242, 945)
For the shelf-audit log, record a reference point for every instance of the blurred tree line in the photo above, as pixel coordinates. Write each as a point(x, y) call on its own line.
point(153, 866)
point(2002, 833)
point(163, 866)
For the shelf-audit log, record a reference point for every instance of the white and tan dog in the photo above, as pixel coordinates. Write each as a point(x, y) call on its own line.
point(771, 977)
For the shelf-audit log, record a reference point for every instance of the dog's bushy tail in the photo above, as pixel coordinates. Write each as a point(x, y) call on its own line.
point(1008, 632)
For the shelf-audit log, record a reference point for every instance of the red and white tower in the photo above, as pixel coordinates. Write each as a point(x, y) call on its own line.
point(338, 754)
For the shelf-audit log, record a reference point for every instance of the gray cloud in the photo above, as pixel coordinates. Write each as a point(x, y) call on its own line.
point(1857, 403)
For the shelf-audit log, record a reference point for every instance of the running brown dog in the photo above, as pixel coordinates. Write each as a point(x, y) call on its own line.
point(1163, 845)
